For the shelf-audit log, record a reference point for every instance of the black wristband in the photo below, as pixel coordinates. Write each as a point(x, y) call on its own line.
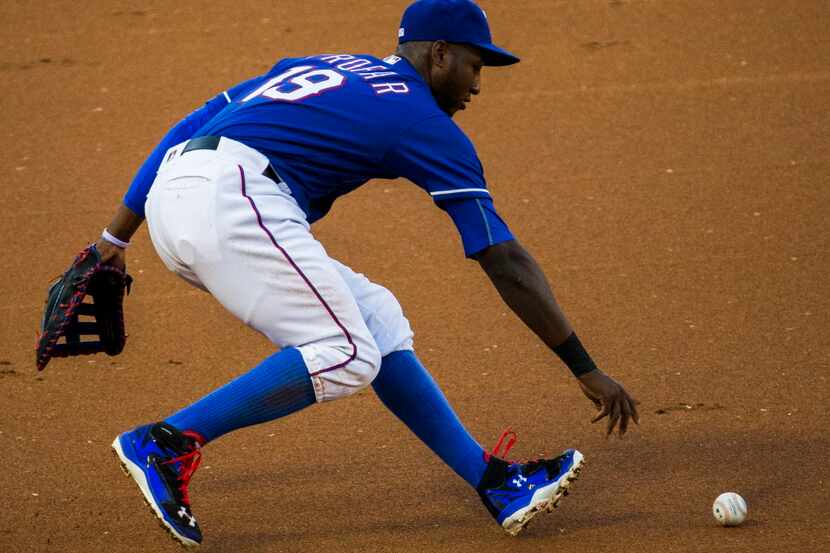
point(573, 354)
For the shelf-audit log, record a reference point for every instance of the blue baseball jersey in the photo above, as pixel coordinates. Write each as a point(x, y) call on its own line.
point(330, 123)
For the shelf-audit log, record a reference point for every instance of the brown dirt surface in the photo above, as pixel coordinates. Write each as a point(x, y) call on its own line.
point(667, 162)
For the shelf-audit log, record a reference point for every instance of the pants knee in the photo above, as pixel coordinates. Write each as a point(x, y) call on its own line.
point(338, 380)
point(385, 319)
point(367, 365)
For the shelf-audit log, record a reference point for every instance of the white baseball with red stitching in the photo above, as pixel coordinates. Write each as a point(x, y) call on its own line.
point(729, 509)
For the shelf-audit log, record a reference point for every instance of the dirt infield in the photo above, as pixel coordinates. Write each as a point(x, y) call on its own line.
point(667, 162)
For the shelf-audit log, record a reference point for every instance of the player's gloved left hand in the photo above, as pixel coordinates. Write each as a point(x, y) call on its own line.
point(111, 254)
point(106, 283)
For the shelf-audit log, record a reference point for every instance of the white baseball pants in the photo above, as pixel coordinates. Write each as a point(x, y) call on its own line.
point(217, 222)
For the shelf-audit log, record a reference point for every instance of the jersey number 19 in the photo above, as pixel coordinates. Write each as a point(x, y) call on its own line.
point(298, 83)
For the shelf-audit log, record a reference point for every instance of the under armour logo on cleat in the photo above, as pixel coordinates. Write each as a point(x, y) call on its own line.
point(191, 520)
point(519, 480)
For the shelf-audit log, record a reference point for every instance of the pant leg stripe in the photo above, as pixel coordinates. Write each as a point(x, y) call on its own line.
point(303, 276)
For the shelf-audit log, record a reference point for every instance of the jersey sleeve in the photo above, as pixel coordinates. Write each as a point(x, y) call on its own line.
point(437, 156)
point(478, 223)
point(137, 193)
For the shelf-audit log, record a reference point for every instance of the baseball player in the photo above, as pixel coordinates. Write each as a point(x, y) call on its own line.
point(229, 196)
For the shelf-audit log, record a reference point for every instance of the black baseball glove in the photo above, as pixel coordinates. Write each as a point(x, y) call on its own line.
point(65, 305)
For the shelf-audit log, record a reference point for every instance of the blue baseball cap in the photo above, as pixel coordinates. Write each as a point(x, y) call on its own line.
point(459, 21)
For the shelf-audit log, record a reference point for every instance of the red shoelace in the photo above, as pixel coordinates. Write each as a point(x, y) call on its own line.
point(511, 438)
point(189, 463)
point(508, 439)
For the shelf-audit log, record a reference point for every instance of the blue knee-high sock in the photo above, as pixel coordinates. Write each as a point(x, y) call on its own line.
point(409, 391)
point(278, 386)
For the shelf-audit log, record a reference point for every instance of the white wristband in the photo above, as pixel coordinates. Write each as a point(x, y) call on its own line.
point(113, 240)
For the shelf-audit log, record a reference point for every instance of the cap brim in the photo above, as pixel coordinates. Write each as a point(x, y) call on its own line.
point(492, 55)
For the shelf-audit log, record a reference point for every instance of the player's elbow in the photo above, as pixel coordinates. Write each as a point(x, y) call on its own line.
point(512, 277)
point(507, 264)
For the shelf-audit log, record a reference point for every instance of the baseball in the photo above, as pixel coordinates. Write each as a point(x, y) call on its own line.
point(729, 509)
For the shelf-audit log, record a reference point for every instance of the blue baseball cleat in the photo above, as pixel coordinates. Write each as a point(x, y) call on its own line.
point(162, 460)
point(516, 492)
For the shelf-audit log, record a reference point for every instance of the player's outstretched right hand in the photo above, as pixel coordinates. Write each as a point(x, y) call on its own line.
point(610, 399)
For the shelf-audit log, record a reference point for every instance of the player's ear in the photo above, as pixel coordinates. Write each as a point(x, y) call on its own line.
point(440, 53)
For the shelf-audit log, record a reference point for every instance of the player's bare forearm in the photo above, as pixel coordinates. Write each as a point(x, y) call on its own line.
point(122, 227)
point(524, 288)
point(125, 223)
